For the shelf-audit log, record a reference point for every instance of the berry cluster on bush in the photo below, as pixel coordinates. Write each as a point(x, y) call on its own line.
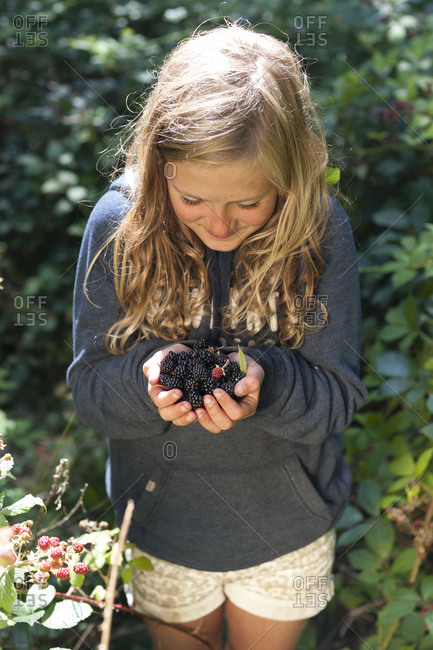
point(52, 557)
point(200, 372)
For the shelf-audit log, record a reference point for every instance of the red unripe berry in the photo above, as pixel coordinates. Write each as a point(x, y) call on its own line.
point(81, 568)
point(46, 565)
point(40, 577)
point(56, 552)
point(44, 542)
point(78, 547)
point(56, 564)
point(16, 529)
point(54, 541)
point(63, 574)
point(217, 373)
point(26, 530)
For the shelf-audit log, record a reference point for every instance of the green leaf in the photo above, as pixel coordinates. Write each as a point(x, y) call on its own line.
point(23, 505)
point(8, 592)
point(369, 496)
point(332, 175)
point(362, 559)
point(427, 587)
point(66, 614)
point(429, 403)
point(380, 538)
point(403, 277)
point(5, 621)
point(412, 627)
point(40, 597)
point(3, 521)
point(403, 465)
point(411, 311)
point(403, 563)
point(142, 563)
point(242, 360)
point(350, 517)
point(126, 575)
point(396, 610)
point(352, 535)
point(392, 364)
point(29, 619)
point(423, 462)
point(428, 431)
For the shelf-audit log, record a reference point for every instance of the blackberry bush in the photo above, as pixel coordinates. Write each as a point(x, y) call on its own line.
point(198, 373)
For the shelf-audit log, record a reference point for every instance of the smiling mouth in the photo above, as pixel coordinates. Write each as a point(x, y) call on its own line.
point(230, 234)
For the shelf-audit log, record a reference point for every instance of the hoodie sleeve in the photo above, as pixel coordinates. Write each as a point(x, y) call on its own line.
point(313, 391)
point(109, 391)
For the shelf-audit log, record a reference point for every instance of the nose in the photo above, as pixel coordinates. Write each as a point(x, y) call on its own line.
point(219, 221)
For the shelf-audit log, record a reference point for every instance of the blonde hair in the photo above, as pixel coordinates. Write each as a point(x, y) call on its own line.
point(224, 95)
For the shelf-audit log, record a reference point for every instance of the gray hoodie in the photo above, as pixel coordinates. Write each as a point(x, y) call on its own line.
point(274, 482)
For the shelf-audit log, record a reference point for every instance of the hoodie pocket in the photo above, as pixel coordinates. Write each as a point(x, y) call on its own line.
point(151, 487)
point(319, 501)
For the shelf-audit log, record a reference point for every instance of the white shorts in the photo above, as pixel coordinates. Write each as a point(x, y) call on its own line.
point(292, 587)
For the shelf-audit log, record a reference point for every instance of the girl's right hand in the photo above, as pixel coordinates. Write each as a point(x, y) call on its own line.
point(170, 409)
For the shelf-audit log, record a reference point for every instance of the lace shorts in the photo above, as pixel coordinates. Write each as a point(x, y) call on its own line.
point(291, 587)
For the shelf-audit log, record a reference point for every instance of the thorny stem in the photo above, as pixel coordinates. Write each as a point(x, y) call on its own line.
point(112, 579)
point(100, 604)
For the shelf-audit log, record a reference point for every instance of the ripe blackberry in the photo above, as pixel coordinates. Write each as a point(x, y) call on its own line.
point(207, 357)
point(190, 385)
point(222, 359)
point(170, 381)
point(232, 369)
point(169, 362)
point(199, 371)
point(181, 370)
point(208, 386)
point(200, 344)
point(195, 399)
point(229, 387)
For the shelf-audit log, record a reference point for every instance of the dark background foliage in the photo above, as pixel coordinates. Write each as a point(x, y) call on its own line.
point(72, 73)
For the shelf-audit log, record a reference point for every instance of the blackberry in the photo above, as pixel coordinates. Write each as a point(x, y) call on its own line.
point(207, 357)
point(195, 399)
point(190, 385)
point(199, 371)
point(222, 359)
point(169, 362)
point(170, 381)
point(208, 386)
point(181, 370)
point(232, 369)
point(229, 387)
point(200, 344)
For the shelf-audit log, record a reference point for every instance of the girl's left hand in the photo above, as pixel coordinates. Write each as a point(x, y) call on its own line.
point(221, 412)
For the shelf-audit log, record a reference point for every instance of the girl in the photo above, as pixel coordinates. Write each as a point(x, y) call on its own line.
point(221, 228)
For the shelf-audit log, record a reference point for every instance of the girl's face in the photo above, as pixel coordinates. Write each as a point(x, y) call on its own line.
point(222, 204)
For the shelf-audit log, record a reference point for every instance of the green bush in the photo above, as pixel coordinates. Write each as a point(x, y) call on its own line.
point(370, 64)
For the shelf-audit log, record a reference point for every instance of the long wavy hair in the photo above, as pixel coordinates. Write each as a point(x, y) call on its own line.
point(224, 95)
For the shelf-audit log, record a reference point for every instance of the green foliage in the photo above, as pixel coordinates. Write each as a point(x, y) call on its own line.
point(371, 69)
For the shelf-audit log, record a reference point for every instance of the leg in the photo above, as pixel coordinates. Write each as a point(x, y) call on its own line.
point(208, 628)
point(247, 632)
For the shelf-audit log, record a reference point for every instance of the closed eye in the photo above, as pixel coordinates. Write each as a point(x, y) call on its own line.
point(251, 205)
point(189, 202)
